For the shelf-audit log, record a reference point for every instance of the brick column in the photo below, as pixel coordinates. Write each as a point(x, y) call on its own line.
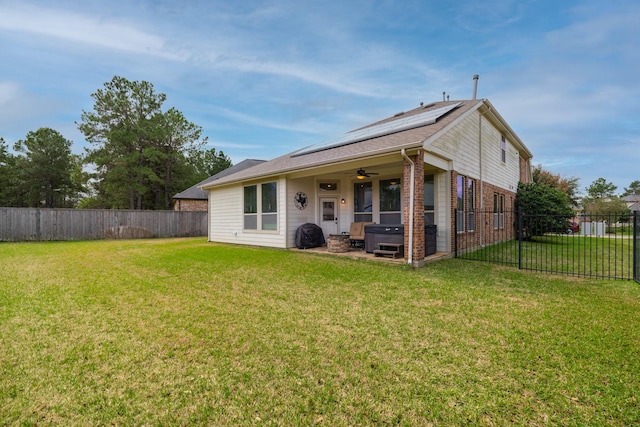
point(418, 212)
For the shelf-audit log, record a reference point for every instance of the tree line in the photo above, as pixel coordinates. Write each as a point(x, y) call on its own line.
point(141, 155)
point(557, 199)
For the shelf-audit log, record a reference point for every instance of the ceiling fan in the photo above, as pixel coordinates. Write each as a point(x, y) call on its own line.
point(362, 174)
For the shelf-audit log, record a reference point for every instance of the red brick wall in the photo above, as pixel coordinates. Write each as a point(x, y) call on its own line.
point(418, 216)
point(484, 218)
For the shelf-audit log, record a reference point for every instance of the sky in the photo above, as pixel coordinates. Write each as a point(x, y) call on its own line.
point(264, 78)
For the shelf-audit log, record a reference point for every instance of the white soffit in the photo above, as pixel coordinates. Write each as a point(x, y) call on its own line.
point(399, 125)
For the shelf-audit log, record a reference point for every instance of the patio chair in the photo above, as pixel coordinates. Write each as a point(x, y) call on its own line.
point(356, 234)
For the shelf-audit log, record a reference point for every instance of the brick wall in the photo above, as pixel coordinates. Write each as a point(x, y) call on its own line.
point(418, 216)
point(483, 220)
point(190, 205)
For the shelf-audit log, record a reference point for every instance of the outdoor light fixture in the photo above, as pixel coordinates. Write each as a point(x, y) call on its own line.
point(342, 201)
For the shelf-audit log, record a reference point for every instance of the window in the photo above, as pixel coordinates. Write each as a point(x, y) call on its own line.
point(429, 200)
point(251, 207)
point(328, 186)
point(362, 202)
point(471, 205)
point(498, 210)
point(503, 150)
point(264, 216)
point(270, 206)
point(390, 196)
point(460, 199)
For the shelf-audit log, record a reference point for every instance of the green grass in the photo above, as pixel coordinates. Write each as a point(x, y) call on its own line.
point(184, 332)
point(566, 254)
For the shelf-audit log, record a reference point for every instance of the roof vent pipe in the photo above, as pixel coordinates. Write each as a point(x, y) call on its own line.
point(443, 93)
point(475, 85)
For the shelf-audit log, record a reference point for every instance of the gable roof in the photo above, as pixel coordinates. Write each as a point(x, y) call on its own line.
point(195, 192)
point(375, 143)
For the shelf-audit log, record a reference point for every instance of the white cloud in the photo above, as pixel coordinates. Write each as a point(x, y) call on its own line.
point(82, 29)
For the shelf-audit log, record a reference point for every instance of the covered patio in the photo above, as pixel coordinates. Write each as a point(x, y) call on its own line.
point(360, 253)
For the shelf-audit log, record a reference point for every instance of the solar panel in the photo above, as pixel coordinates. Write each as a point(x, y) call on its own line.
point(399, 125)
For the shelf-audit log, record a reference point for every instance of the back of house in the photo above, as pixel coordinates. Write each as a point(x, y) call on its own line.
point(412, 171)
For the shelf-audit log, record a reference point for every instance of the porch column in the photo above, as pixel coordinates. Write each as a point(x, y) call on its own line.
point(418, 211)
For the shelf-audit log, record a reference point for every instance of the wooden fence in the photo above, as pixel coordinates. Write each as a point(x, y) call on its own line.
point(32, 224)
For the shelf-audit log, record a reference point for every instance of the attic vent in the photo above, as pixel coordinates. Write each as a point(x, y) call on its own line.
point(398, 114)
point(429, 105)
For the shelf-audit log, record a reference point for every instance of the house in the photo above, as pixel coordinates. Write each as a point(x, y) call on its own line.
point(415, 168)
point(633, 202)
point(195, 199)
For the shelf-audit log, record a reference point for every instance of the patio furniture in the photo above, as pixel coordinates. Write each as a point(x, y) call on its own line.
point(356, 233)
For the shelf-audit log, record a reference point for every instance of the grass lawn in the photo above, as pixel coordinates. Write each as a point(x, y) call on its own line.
point(570, 254)
point(164, 332)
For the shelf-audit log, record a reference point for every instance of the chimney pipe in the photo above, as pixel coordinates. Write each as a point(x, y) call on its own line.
point(475, 85)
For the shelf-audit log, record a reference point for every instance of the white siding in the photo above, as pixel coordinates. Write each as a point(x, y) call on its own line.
point(226, 219)
point(442, 212)
point(296, 217)
point(310, 186)
point(504, 175)
point(461, 144)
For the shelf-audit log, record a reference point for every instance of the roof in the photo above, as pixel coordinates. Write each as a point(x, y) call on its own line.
point(413, 137)
point(632, 198)
point(195, 193)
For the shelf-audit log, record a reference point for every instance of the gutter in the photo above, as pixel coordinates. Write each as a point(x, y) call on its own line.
point(411, 205)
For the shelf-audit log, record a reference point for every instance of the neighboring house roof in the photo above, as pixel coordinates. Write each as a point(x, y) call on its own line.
point(633, 202)
point(407, 138)
point(195, 193)
point(633, 198)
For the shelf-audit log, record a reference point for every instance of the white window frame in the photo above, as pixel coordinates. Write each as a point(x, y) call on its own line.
point(261, 212)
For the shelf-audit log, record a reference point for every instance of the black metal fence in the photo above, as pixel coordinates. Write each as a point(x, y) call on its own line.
point(603, 246)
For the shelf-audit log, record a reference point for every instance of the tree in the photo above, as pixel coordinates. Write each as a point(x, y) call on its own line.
point(569, 186)
point(207, 163)
point(139, 150)
point(44, 170)
point(633, 189)
point(7, 176)
point(175, 137)
point(601, 189)
point(121, 128)
point(544, 208)
point(601, 202)
point(612, 209)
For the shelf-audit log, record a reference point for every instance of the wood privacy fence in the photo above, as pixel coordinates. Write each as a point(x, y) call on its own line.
point(33, 224)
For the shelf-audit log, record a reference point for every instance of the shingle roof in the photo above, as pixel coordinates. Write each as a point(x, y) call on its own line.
point(411, 138)
point(195, 193)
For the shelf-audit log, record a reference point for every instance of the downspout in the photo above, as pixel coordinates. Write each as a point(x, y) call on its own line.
point(411, 205)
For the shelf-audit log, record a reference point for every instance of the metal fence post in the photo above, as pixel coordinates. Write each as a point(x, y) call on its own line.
point(519, 238)
point(636, 251)
point(455, 233)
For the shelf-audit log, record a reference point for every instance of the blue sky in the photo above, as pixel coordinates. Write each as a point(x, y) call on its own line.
point(264, 78)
